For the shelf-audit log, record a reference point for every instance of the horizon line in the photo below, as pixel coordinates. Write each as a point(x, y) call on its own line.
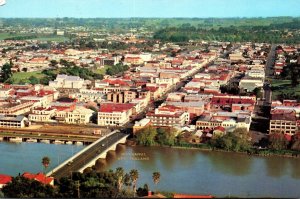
point(237, 17)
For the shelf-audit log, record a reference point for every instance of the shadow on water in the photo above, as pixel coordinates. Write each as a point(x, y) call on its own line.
point(103, 164)
point(164, 157)
point(230, 163)
point(275, 167)
point(295, 168)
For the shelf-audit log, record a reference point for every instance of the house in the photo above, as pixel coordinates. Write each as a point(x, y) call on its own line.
point(114, 114)
point(87, 95)
point(193, 108)
point(42, 178)
point(168, 116)
point(4, 180)
point(41, 114)
point(283, 121)
point(121, 97)
point(16, 108)
point(13, 121)
point(229, 120)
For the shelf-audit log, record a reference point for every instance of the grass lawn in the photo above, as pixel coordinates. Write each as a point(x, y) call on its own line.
point(101, 71)
point(54, 38)
point(283, 87)
point(7, 35)
point(18, 77)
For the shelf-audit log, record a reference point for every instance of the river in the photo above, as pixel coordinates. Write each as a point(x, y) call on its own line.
point(182, 170)
point(27, 157)
point(205, 172)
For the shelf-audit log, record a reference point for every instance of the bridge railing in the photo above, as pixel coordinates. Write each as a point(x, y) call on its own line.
point(80, 152)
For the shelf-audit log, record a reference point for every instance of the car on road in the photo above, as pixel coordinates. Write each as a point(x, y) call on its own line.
point(102, 145)
point(70, 162)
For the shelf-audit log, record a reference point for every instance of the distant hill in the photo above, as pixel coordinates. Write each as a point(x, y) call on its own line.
point(152, 23)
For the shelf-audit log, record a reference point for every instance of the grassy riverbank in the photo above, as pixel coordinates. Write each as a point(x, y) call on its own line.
point(207, 147)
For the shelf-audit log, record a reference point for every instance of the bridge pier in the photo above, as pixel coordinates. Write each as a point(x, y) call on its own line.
point(92, 155)
point(104, 154)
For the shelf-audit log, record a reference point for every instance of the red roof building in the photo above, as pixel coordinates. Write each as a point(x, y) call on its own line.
point(4, 180)
point(115, 107)
point(39, 177)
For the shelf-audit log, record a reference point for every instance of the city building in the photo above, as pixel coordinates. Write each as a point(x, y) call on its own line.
point(114, 114)
point(79, 115)
point(13, 121)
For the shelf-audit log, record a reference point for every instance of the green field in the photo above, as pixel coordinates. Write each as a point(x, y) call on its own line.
point(24, 76)
point(8, 35)
point(101, 71)
point(54, 38)
point(283, 87)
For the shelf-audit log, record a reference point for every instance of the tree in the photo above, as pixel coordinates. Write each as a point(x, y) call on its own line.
point(134, 175)
point(142, 191)
point(127, 180)
point(33, 80)
point(296, 142)
point(21, 187)
point(45, 163)
point(53, 63)
point(166, 136)
point(120, 177)
point(257, 92)
point(6, 72)
point(278, 141)
point(156, 177)
point(146, 136)
point(238, 140)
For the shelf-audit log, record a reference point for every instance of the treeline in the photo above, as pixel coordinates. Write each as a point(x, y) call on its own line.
point(152, 23)
point(25, 37)
point(275, 33)
point(107, 184)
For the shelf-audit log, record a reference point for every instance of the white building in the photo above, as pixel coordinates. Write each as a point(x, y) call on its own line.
point(65, 81)
point(80, 115)
point(114, 114)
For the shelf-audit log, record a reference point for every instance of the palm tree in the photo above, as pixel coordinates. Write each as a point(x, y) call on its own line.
point(134, 175)
point(127, 180)
point(156, 177)
point(45, 162)
point(120, 177)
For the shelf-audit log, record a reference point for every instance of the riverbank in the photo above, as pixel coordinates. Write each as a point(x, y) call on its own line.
point(205, 147)
point(223, 174)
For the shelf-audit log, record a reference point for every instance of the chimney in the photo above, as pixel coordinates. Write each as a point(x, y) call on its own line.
point(149, 193)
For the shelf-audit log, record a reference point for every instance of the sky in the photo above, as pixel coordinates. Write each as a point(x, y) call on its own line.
point(148, 8)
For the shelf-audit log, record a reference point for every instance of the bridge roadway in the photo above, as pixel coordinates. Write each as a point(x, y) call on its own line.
point(78, 162)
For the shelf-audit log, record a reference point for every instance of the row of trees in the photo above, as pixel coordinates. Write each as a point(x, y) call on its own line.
point(278, 141)
point(108, 184)
point(232, 34)
point(238, 140)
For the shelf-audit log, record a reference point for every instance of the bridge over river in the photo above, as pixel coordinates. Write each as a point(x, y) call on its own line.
point(88, 156)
